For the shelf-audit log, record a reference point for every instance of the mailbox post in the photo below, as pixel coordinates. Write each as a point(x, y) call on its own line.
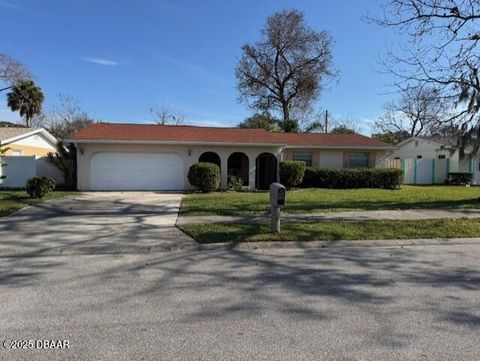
point(277, 199)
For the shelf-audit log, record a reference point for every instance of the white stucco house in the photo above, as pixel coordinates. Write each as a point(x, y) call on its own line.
point(157, 157)
point(427, 161)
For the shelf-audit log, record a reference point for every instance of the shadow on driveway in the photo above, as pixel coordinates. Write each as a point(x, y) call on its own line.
point(96, 222)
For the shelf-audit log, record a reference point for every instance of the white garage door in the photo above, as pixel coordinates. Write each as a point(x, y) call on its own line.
point(136, 171)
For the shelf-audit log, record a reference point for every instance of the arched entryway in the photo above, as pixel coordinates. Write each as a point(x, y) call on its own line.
point(238, 167)
point(210, 157)
point(266, 170)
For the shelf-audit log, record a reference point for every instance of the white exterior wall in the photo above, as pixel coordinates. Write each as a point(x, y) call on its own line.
point(189, 154)
point(17, 170)
point(415, 147)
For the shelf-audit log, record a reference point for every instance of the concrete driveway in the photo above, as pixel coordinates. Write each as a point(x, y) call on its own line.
point(96, 222)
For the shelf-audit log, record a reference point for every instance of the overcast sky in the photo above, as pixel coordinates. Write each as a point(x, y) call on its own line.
point(119, 58)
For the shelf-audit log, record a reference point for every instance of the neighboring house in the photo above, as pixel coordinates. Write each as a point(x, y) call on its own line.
point(157, 157)
point(428, 161)
point(27, 141)
point(26, 155)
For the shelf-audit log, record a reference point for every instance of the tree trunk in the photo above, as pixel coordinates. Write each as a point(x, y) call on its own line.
point(286, 111)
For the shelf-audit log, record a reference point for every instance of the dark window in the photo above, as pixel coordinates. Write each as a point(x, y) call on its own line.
point(303, 156)
point(358, 160)
point(397, 157)
point(419, 157)
point(442, 156)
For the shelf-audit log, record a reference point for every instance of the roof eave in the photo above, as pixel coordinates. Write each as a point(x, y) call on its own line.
point(160, 142)
point(340, 147)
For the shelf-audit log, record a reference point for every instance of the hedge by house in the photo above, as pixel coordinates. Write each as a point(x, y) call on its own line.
point(390, 178)
point(205, 176)
point(291, 173)
point(459, 178)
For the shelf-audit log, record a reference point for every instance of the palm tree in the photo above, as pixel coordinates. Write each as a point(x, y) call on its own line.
point(27, 98)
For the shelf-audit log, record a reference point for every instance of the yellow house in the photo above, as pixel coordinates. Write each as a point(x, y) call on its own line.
point(27, 141)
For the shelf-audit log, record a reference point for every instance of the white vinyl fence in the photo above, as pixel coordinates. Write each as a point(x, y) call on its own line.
point(428, 171)
point(18, 169)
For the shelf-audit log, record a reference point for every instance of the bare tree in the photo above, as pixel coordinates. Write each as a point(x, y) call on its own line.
point(12, 71)
point(441, 53)
point(418, 112)
point(66, 117)
point(62, 120)
point(166, 115)
point(285, 70)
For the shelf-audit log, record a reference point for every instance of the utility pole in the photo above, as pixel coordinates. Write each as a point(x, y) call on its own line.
point(326, 121)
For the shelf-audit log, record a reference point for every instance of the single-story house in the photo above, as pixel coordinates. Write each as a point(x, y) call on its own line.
point(157, 157)
point(26, 155)
point(429, 160)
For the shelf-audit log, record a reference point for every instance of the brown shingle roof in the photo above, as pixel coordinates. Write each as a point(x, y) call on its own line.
point(11, 132)
point(192, 134)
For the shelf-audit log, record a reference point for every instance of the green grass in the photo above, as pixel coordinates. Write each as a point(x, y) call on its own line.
point(334, 231)
point(11, 201)
point(331, 200)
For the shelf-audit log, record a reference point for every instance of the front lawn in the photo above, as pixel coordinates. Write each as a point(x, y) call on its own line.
point(11, 201)
point(334, 231)
point(331, 200)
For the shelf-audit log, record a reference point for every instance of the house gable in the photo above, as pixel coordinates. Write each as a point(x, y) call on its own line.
point(35, 143)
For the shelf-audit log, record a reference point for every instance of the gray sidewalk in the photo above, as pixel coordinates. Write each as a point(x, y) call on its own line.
point(409, 214)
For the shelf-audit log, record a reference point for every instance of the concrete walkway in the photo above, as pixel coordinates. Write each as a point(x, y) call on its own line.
point(409, 214)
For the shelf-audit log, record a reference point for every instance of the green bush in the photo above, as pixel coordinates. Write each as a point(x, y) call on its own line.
point(291, 173)
point(459, 178)
point(38, 187)
point(235, 184)
point(205, 176)
point(390, 178)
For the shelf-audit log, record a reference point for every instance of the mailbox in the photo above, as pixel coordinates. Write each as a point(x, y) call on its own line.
point(277, 200)
point(277, 194)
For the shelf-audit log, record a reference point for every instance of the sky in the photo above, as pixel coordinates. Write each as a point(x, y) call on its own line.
point(120, 58)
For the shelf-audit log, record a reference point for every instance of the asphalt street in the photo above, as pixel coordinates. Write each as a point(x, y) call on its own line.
point(375, 303)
